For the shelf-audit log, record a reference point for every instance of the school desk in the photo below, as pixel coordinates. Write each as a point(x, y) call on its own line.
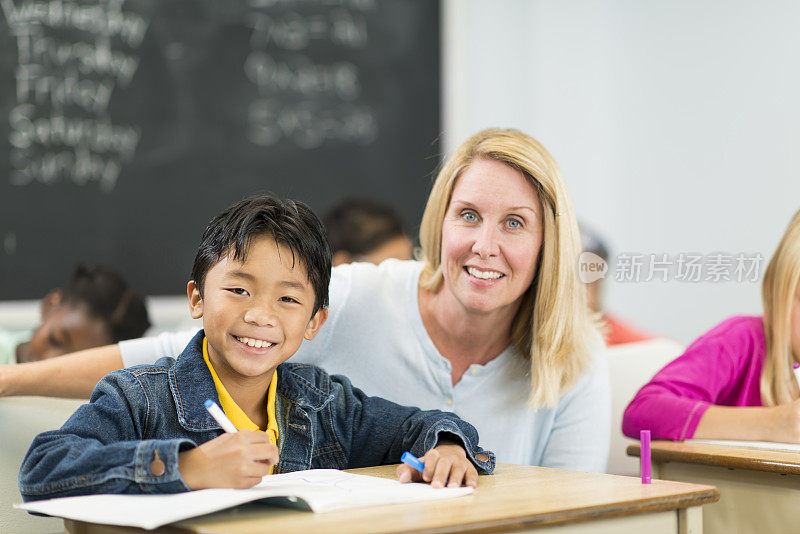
point(759, 489)
point(516, 498)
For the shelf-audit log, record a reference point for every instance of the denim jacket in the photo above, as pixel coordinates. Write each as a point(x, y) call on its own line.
point(139, 415)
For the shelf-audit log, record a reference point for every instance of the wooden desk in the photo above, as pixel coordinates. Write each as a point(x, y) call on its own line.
point(516, 498)
point(759, 489)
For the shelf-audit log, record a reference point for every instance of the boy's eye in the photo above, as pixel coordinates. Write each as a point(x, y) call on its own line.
point(288, 299)
point(237, 291)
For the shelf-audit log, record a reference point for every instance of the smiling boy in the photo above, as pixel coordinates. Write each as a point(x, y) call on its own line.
point(260, 283)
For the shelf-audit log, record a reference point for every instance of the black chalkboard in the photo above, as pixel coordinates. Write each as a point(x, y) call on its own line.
point(126, 125)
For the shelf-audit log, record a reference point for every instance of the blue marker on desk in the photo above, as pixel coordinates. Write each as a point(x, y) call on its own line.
point(409, 459)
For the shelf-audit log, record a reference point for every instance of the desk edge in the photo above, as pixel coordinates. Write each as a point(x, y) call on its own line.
point(717, 460)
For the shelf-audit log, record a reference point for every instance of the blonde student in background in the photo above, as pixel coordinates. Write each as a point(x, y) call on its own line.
point(491, 324)
point(735, 381)
point(260, 284)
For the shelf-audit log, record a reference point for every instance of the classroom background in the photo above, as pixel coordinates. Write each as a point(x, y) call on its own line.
point(674, 123)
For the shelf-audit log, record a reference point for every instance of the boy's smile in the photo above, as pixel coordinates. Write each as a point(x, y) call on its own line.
point(255, 313)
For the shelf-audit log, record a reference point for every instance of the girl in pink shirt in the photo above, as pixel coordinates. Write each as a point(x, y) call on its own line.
point(735, 381)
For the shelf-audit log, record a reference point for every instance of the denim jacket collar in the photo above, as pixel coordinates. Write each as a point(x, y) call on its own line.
point(297, 390)
point(190, 378)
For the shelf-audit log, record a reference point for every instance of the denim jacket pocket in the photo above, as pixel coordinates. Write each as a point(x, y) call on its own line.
point(328, 456)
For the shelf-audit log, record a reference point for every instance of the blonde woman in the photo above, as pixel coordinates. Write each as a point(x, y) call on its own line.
point(736, 381)
point(491, 324)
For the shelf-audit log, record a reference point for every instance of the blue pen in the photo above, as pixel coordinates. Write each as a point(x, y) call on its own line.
point(409, 459)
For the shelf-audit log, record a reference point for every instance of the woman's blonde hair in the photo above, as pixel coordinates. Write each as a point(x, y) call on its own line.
point(553, 327)
point(777, 293)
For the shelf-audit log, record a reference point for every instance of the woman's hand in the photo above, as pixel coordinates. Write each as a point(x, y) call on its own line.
point(446, 464)
point(237, 460)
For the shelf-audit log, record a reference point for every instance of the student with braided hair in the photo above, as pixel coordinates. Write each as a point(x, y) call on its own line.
point(96, 307)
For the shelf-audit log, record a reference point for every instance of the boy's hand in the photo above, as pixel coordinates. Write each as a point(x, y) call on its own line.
point(445, 464)
point(236, 460)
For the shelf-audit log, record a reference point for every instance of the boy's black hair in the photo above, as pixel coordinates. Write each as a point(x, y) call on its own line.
point(360, 225)
point(108, 297)
point(289, 222)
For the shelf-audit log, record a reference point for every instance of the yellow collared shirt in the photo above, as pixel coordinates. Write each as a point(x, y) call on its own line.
point(235, 413)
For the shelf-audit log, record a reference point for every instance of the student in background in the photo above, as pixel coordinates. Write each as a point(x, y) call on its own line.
point(736, 381)
point(361, 229)
point(260, 283)
point(616, 331)
point(95, 308)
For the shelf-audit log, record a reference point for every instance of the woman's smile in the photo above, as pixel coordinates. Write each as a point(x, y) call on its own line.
point(483, 278)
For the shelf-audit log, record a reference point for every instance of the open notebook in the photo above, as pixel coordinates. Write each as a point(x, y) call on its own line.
point(318, 490)
point(766, 445)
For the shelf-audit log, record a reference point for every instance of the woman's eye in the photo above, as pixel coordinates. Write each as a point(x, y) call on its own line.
point(514, 223)
point(469, 216)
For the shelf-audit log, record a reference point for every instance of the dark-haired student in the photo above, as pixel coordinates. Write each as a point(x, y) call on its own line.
point(96, 307)
point(363, 229)
point(260, 283)
point(616, 331)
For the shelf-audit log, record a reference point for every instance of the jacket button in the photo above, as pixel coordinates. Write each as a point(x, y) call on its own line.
point(481, 457)
point(157, 467)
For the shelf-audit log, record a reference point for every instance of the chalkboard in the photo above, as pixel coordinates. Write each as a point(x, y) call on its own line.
point(126, 125)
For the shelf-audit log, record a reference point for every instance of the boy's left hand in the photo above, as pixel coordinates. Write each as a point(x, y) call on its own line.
point(445, 464)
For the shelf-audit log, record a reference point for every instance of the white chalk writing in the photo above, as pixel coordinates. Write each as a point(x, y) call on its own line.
point(99, 135)
point(104, 18)
point(294, 31)
point(307, 125)
point(302, 77)
point(70, 58)
point(304, 100)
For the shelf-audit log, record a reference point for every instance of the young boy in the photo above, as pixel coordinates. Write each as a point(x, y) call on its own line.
point(260, 283)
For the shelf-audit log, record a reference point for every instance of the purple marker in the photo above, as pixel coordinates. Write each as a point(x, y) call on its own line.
point(644, 438)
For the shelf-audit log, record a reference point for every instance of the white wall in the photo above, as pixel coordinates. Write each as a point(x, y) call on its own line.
point(676, 124)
